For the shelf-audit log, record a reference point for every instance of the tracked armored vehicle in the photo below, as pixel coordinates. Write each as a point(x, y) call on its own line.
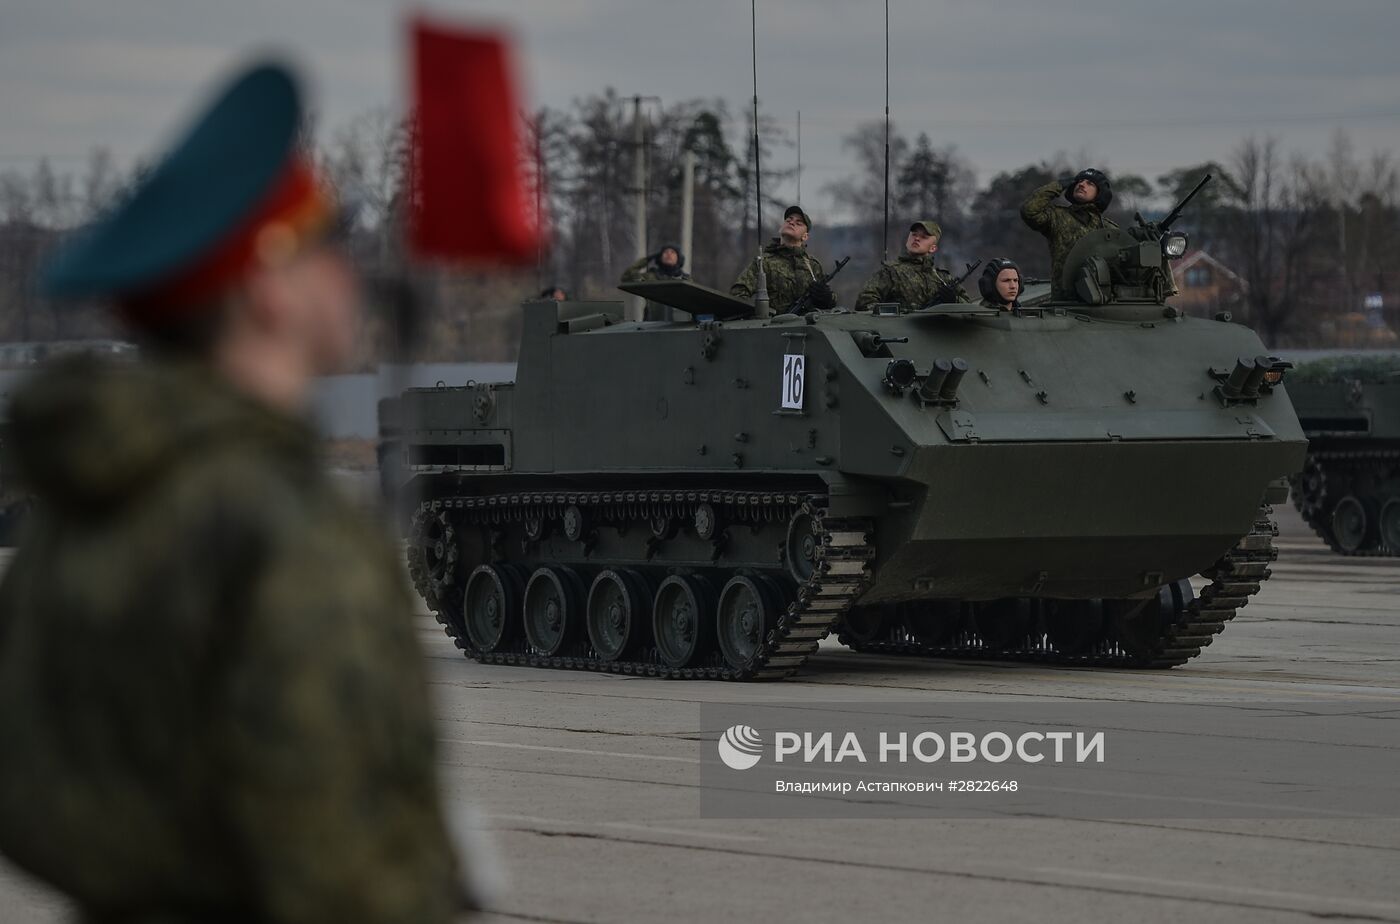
point(709, 498)
point(1349, 489)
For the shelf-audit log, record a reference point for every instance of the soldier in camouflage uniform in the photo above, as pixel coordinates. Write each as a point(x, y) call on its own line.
point(913, 280)
point(1089, 195)
point(791, 271)
point(212, 701)
point(666, 263)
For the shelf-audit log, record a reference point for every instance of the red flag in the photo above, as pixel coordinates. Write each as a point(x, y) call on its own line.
point(468, 190)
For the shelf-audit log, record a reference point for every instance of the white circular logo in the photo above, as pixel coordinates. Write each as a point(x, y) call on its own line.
point(740, 747)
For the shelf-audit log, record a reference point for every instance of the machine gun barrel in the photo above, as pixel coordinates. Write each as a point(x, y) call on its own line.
point(1175, 213)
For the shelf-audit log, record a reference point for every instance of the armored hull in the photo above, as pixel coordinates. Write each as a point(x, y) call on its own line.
point(1349, 489)
point(711, 499)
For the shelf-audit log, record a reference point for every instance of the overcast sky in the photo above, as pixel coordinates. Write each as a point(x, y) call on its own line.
point(1135, 86)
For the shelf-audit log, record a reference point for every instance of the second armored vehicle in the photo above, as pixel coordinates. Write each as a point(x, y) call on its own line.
point(1349, 489)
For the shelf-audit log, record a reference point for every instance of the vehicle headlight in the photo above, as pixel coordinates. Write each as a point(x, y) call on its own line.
point(1174, 244)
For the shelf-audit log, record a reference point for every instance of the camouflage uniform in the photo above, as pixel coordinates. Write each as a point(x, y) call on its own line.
point(211, 697)
point(913, 281)
point(790, 270)
point(1062, 226)
point(647, 270)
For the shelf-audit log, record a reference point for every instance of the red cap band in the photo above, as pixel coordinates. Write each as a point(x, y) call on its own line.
point(294, 209)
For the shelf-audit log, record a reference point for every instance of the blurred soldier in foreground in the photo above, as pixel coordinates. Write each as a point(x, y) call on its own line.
point(913, 280)
point(791, 271)
point(1089, 195)
point(1000, 285)
point(666, 263)
point(211, 697)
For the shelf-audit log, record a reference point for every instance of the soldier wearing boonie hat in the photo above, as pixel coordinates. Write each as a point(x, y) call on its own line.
point(211, 696)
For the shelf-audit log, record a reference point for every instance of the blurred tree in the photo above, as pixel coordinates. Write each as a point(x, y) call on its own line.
point(939, 184)
point(1270, 229)
point(1000, 232)
point(863, 193)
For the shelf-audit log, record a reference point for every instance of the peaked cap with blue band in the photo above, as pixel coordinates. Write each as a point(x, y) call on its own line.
point(212, 180)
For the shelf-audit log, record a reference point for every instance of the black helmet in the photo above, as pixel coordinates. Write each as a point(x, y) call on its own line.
point(1099, 179)
point(680, 260)
point(987, 282)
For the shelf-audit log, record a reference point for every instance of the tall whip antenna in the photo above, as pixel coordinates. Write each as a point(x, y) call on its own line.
point(757, 167)
point(885, 237)
point(760, 293)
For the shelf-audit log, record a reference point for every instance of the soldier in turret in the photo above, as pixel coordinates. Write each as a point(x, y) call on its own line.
point(791, 271)
point(1089, 193)
point(1000, 285)
point(913, 280)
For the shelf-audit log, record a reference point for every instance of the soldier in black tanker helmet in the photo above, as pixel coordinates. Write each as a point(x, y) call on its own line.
point(554, 293)
point(1000, 285)
point(1089, 193)
point(212, 700)
point(912, 280)
point(791, 271)
point(666, 263)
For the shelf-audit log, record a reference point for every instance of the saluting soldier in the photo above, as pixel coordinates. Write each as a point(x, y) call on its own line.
point(1089, 194)
point(666, 263)
point(912, 280)
point(790, 270)
point(212, 700)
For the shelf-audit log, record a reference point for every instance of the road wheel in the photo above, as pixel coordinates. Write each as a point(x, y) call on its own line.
point(553, 609)
point(748, 608)
point(683, 619)
point(492, 606)
point(617, 613)
point(800, 548)
point(1389, 524)
point(1351, 525)
point(865, 624)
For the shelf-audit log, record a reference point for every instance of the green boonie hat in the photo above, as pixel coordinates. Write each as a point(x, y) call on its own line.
point(930, 227)
point(797, 210)
point(202, 190)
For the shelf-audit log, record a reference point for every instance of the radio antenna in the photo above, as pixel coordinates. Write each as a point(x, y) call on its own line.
point(885, 236)
point(760, 293)
point(757, 167)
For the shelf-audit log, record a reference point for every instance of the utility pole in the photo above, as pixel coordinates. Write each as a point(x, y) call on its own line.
point(636, 305)
point(687, 217)
point(799, 157)
point(688, 207)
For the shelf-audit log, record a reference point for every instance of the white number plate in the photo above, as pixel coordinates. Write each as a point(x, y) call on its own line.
point(794, 380)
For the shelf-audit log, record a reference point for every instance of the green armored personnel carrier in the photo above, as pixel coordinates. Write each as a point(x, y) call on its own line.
point(1349, 489)
point(709, 498)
